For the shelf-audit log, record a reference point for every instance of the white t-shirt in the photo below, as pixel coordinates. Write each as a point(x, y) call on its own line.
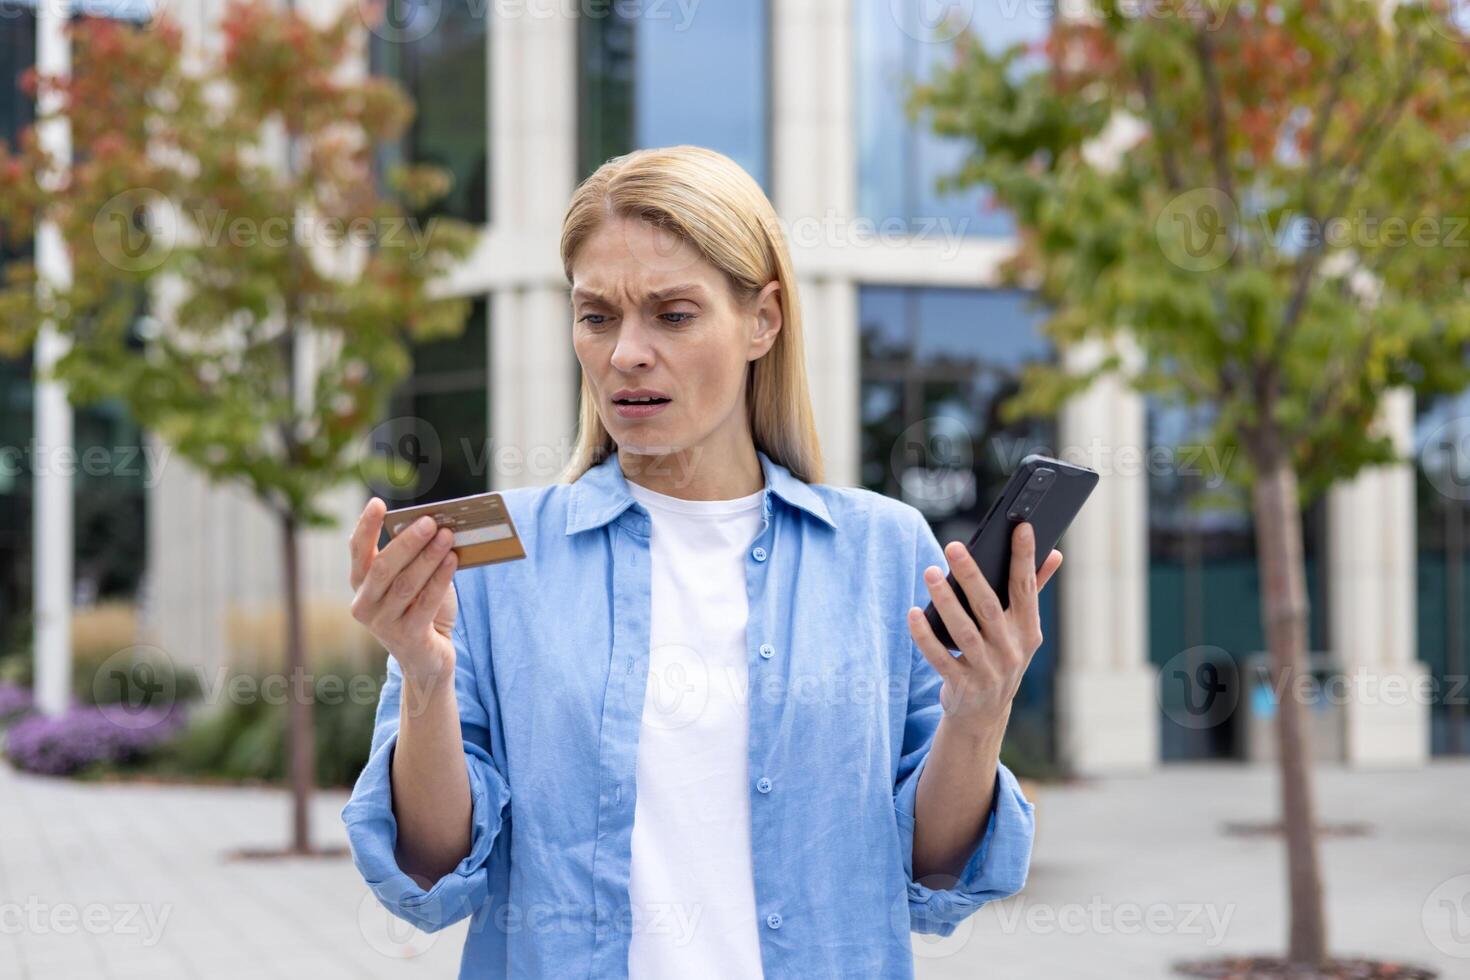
point(691, 885)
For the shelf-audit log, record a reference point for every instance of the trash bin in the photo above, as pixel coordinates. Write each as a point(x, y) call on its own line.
point(1324, 710)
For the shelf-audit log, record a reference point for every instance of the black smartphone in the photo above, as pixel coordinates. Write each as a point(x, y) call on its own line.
point(1046, 492)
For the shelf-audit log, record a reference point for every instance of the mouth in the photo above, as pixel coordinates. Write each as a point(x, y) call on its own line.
point(640, 407)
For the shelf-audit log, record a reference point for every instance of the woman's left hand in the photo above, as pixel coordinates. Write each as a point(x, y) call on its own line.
point(980, 683)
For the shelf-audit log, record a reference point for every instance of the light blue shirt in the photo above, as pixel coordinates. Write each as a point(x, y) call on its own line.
point(550, 676)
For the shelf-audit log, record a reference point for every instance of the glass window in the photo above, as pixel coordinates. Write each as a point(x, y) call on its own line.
point(655, 76)
point(443, 64)
point(17, 55)
point(900, 161)
point(109, 485)
point(1442, 499)
point(442, 415)
point(936, 366)
point(1204, 584)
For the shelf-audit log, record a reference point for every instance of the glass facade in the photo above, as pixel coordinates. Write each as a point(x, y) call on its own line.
point(1442, 504)
point(17, 54)
point(936, 366)
point(899, 161)
point(653, 76)
point(442, 411)
point(110, 475)
point(444, 65)
point(1204, 585)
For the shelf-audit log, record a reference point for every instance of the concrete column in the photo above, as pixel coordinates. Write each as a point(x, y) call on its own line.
point(1107, 711)
point(829, 315)
point(814, 141)
point(52, 521)
point(1371, 578)
point(533, 149)
point(532, 395)
point(815, 194)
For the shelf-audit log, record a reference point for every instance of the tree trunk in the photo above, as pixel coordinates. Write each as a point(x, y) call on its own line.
point(1284, 615)
point(300, 741)
point(1454, 661)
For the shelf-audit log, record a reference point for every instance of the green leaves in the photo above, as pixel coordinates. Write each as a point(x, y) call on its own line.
point(1273, 200)
point(183, 202)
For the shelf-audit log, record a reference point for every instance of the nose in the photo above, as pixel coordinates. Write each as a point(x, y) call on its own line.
point(633, 349)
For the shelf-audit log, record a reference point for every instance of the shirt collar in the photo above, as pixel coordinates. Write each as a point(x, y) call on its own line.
point(601, 494)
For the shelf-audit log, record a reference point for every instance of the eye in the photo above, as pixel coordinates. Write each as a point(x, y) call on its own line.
point(592, 319)
point(684, 316)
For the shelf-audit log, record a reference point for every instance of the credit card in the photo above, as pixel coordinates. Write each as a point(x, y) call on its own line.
point(483, 531)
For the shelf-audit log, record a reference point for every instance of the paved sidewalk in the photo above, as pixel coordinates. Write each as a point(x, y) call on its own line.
point(1131, 874)
point(131, 880)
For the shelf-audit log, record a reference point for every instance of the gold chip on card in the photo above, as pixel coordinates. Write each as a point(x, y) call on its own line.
point(483, 531)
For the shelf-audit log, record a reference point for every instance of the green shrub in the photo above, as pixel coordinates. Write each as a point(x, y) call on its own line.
point(246, 740)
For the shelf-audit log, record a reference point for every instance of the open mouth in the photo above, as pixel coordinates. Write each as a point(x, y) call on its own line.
point(641, 401)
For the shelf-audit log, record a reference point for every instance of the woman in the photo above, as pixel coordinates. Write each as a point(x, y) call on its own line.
point(704, 729)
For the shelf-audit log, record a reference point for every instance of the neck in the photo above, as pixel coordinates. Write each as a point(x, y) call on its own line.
point(696, 473)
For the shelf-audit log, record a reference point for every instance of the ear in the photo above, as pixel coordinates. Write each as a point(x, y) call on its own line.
point(768, 320)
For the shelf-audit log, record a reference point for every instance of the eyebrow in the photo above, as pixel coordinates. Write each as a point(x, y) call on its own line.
point(656, 296)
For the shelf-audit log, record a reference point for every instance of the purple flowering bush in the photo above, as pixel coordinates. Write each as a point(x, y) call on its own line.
point(88, 734)
point(14, 700)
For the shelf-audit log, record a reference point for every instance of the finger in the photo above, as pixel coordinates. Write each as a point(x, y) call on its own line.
point(363, 544)
point(982, 598)
point(409, 582)
point(935, 652)
point(1048, 569)
point(1023, 572)
point(395, 557)
point(962, 629)
point(431, 596)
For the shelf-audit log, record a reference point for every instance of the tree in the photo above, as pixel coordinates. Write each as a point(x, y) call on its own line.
point(284, 293)
point(1267, 199)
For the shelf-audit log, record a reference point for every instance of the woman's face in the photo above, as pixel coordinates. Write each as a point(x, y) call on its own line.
point(650, 315)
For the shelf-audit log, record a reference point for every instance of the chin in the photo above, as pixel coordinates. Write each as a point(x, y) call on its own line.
point(640, 446)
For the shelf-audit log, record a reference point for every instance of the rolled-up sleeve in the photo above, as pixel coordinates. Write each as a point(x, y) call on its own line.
point(372, 830)
point(998, 865)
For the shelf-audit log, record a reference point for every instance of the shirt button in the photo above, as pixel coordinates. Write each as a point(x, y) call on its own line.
point(763, 784)
point(759, 554)
point(767, 651)
point(774, 920)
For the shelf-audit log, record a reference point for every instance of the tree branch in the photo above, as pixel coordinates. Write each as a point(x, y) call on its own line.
point(1347, 366)
point(1167, 162)
point(1370, 140)
point(1204, 47)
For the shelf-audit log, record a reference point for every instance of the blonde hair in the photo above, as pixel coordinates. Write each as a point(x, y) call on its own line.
point(706, 199)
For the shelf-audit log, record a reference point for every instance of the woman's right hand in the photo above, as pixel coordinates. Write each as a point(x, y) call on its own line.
point(404, 593)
